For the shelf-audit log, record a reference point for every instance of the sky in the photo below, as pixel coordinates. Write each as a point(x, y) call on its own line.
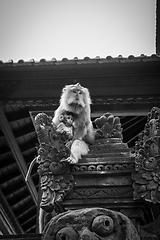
point(36, 29)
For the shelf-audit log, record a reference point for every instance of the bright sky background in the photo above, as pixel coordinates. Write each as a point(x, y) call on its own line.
point(36, 29)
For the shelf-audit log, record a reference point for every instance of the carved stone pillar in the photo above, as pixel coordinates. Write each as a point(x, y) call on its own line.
point(147, 160)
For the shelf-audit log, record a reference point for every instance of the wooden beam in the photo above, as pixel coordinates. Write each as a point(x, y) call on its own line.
point(8, 221)
point(17, 153)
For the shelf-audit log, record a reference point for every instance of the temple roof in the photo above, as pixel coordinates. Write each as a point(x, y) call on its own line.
point(85, 60)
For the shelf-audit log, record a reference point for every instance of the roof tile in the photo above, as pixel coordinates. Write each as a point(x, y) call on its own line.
point(86, 60)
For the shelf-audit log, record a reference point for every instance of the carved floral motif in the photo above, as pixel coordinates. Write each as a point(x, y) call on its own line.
point(147, 160)
point(56, 180)
point(108, 126)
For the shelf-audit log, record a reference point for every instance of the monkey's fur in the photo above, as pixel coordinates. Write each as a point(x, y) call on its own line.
point(75, 100)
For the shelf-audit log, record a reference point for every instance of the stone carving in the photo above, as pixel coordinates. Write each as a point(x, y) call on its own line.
point(147, 160)
point(56, 180)
point(102, 193)
point(57, 175)
point(108, 126)
point(108, 155)
point(91, 224)
point(103, 167)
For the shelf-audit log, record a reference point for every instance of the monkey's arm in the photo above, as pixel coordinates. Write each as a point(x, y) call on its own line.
point(79, 131)
point(90, 135)
point(86, 132)
point(57, 113)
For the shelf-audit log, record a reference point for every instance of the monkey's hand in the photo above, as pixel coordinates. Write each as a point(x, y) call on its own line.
point(61, 128)
point(68, 144)
point(72, 160)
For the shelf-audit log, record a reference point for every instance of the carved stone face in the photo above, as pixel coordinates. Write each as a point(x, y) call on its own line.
point(90, 224)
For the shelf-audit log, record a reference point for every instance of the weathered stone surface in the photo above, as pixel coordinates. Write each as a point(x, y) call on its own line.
point(55, 178)
point(102, 178)
point(90, 224)
point(147, 160)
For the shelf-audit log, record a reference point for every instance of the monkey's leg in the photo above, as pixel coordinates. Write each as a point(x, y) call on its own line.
point(78, 149)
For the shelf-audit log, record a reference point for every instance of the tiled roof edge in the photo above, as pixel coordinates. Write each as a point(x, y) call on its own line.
point(86, 60)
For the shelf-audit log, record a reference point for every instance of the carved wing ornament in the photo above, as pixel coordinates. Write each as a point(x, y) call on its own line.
point(146, 176)
point(56, 180)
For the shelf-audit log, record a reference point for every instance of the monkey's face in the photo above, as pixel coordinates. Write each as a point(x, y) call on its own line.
point(76, 96)
point(69, 120)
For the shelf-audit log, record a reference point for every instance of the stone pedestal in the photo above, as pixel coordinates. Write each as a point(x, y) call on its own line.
point(103, 179)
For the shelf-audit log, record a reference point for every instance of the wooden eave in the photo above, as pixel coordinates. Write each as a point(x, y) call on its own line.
point(17, 154)
point(112, 81)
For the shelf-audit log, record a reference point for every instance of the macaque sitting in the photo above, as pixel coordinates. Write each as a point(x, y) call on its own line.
point(75, 100)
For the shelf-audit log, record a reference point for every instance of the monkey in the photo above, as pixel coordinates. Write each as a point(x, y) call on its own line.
point(78, 147)
point(66, 125)
point(75, 100)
